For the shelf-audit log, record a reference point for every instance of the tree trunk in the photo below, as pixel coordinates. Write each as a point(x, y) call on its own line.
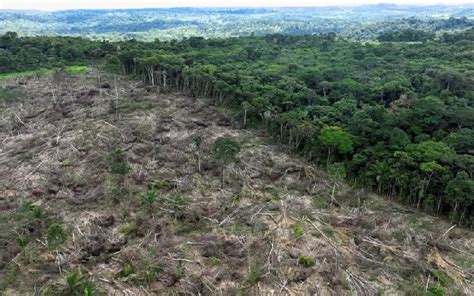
point(420, 196)
point(245, 117)
point(164, 80)
point(152, 76)
point(281, 132)
point(115, 85)
point(438, 208)
point(298, 142)
point(455, 210)
point(199, 162)
point(100, 88)
point(290, 139)
point(329, 157)
point(461, 218)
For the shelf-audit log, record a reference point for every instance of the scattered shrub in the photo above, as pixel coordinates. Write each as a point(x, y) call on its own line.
point(127, 270)
point(306, 261)
point(178, 203)
point(275, 194)
point(337, 170)
point(22, 242)
point(146, 274)
point(328, 231)
point(26, 210)
point(298, 230)
point(443, 279)
point(56, 235)
point(254, 277)
point(38, 212)
point(214, 261)
point(435, 291)
point(8, 95)
point(148, 198)
point(130, 229)
point(117, 162)
point(179, 272)
point(319, 202)
point(224, 151)
point(25, 206)
point(76, 284)
point(151, 273)
point(164, 185)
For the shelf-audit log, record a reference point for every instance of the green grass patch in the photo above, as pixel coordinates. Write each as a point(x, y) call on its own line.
point(41, 72)
point(375, 43)
point(435, 291)
point(76, 69)
point(15, 75)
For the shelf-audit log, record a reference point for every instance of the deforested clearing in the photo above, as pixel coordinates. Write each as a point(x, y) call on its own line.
point(108, 186)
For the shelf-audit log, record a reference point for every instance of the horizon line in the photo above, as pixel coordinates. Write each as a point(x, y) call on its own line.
point(239, 7)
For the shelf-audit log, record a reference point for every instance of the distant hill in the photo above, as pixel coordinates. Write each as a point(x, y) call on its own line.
point(365, 22)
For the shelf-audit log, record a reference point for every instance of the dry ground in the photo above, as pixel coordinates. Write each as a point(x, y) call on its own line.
point(278, 226)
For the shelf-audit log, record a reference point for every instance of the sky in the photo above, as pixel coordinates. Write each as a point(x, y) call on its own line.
point(94, 4)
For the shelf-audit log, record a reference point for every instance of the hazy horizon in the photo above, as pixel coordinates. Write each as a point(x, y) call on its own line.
point(52, 5)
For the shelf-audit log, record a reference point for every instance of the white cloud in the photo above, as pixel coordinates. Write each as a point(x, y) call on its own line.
point(90, 4)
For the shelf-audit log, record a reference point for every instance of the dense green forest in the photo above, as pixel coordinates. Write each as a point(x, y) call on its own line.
point(365, 22)
point(392, 116)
